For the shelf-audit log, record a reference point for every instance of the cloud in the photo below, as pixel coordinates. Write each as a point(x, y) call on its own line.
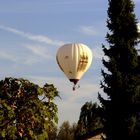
point(98, 53)
point(36, 54)
point(29, 54)
point(37, 38)
point(88, 30)
point(7, 56)
point(39, 50)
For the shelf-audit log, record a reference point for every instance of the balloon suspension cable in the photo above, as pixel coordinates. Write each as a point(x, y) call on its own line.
point(75, 87)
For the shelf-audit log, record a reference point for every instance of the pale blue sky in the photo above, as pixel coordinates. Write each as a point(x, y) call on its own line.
point(31, 31)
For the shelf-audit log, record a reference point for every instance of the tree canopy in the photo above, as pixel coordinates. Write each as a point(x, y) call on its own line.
point(89, 120)
point(27, 111)
point(67, 131)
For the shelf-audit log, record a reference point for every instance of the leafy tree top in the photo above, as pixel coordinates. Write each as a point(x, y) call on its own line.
point(89, 121)
point(25, 109)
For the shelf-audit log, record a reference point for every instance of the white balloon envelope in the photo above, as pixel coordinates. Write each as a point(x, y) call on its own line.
point(74, 60)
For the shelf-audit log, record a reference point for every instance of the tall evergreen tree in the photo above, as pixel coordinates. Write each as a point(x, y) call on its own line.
point(121, 79)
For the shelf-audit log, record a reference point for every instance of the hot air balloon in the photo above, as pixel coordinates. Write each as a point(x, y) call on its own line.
point(74, 60)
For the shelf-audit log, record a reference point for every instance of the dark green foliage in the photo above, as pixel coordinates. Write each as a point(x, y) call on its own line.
point(27, 111)
point(89, 120)
point(121, 82)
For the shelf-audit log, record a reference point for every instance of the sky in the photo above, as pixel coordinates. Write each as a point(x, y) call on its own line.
point(31, 31)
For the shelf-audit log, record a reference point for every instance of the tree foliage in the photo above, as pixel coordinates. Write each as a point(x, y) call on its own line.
point(27, 111)
point(89, 120)
point(121, 81)
point(66, 131)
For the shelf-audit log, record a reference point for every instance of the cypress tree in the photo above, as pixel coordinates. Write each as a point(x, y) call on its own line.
point(121, 78)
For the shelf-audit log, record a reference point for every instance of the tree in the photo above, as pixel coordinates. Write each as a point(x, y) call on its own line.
point(52, 134)
point(50, 92)
point(66, 131)
point(121, 79)
point(89, 120)
point(26, 112)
